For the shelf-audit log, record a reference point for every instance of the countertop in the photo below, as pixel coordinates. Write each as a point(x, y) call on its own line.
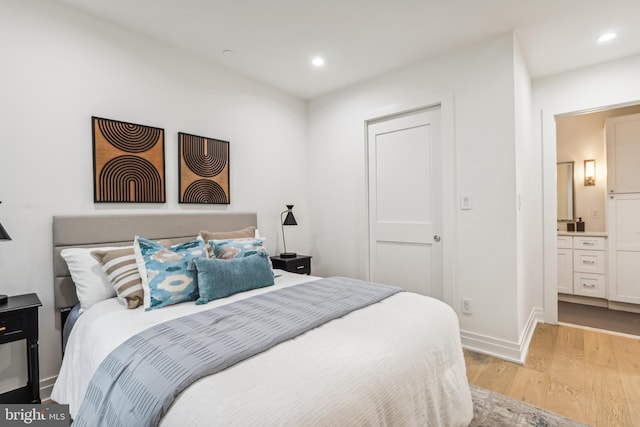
point(583, 233)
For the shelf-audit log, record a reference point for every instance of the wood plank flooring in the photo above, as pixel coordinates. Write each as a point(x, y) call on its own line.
point(590, 376)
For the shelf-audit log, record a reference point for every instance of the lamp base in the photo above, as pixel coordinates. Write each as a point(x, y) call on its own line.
point(3, 299)
point(288, 255)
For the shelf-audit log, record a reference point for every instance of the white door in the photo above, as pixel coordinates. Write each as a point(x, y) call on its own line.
point(405, 201)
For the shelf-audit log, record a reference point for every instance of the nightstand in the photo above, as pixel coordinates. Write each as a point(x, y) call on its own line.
point(299, 264)
point(19, 321)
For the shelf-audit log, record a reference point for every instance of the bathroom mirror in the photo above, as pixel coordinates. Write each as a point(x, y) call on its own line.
point(566, 194)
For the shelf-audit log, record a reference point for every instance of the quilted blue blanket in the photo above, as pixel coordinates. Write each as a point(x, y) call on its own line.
point(137, 383)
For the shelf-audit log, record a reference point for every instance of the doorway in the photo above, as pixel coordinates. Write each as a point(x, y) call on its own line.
point(405, 201)
point(580, 138)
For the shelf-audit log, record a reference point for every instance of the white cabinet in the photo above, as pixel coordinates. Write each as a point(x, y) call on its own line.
point(623, 188)
point(623, 152)
point(624, 249)
point(581, 266)
point(565, 264)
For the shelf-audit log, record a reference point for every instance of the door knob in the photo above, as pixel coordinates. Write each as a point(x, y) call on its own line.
point(436, 237)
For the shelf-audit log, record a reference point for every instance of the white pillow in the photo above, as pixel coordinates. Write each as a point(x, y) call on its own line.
point(92, 284)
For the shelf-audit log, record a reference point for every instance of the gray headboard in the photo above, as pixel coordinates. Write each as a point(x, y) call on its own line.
point(115, 230)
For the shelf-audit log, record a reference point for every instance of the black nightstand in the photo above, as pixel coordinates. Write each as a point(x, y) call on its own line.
point(19, 321)
point(298, 264)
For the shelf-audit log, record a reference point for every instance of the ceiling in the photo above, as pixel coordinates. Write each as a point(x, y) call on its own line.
point(274, 41)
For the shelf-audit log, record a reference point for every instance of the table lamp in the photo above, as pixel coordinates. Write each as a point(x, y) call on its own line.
point(3, 236)
point(288, 220)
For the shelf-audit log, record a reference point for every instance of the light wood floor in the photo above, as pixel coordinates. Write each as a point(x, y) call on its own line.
point(590, 376)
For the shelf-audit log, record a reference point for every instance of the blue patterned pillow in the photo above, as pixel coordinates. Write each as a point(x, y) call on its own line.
point(219, 278)
point(236, 248)
point(166, 278)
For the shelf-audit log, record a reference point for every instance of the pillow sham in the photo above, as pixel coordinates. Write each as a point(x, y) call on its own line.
point(236, 248)
point(218, 278)
point(249, 232)
point(165, 276)
point(92, 284)
point(120, 267)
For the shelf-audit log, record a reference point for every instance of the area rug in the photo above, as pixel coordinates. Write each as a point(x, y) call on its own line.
point(495, 410)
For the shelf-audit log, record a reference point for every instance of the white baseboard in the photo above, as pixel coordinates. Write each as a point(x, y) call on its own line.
point(508, 350)
point(46, 386)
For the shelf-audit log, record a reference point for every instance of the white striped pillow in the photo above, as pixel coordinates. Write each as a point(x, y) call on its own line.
point(122, 271)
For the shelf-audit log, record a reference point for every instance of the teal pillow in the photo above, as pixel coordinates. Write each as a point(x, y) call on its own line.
point(236, 248)
point(218, 278)
point(166, 278)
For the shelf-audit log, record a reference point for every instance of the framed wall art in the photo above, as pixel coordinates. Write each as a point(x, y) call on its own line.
point(203, 170)
point(128, 162)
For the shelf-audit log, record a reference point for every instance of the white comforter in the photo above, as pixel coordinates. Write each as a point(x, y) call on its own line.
point(397, 363)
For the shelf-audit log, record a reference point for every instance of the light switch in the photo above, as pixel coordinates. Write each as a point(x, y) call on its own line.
point(465, 202)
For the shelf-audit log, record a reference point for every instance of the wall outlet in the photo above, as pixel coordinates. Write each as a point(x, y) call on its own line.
point(466, 306)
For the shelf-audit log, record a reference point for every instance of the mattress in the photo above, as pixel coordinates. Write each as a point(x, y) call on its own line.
point(396, 362)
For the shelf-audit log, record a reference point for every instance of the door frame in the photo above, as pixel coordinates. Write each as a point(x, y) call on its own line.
point(549, 202)
point(445, 101)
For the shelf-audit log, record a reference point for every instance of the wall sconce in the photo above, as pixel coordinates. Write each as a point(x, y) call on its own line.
point(589, 172)
point(288, 220)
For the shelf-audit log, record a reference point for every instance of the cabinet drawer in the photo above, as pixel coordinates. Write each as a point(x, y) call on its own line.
point(11, 326)
point(590, 285)
point(302, 266)
point(565, 242)
point(588, 261)
point(585, 242)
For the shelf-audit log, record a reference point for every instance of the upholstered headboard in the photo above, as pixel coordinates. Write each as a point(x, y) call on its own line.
point(115, 230)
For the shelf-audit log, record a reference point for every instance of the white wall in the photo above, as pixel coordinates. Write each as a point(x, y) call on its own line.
point(528, 203)
point(481, 79)
point(60, 67)
point(609, 84)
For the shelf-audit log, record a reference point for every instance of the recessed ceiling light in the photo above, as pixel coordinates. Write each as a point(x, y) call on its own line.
point(317, 62)
point(607, 37)
point(227, 52)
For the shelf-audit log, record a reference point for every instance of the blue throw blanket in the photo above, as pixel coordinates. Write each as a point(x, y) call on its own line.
point(138, 381)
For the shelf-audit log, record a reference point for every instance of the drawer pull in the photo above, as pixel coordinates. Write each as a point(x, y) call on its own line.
point(3, 328)
point(588, 262)
point(300, 267)
point(588, 285)
point(588, 243)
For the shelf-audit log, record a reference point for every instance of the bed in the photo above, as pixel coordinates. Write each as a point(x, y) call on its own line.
point(394, 362)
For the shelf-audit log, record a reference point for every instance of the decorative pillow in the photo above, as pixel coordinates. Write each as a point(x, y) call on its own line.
point(236, 248)
point(166, 278)
point(249, 232)
point(218, 278)
point(92, 284)
point(122, 270)
point(245, 233)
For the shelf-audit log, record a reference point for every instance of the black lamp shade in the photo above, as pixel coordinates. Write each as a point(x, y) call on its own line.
point(5, 236)
point(289, 219)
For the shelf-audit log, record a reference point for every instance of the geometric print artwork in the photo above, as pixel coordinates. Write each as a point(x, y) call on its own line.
point(203, 169)
point(128, 162)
